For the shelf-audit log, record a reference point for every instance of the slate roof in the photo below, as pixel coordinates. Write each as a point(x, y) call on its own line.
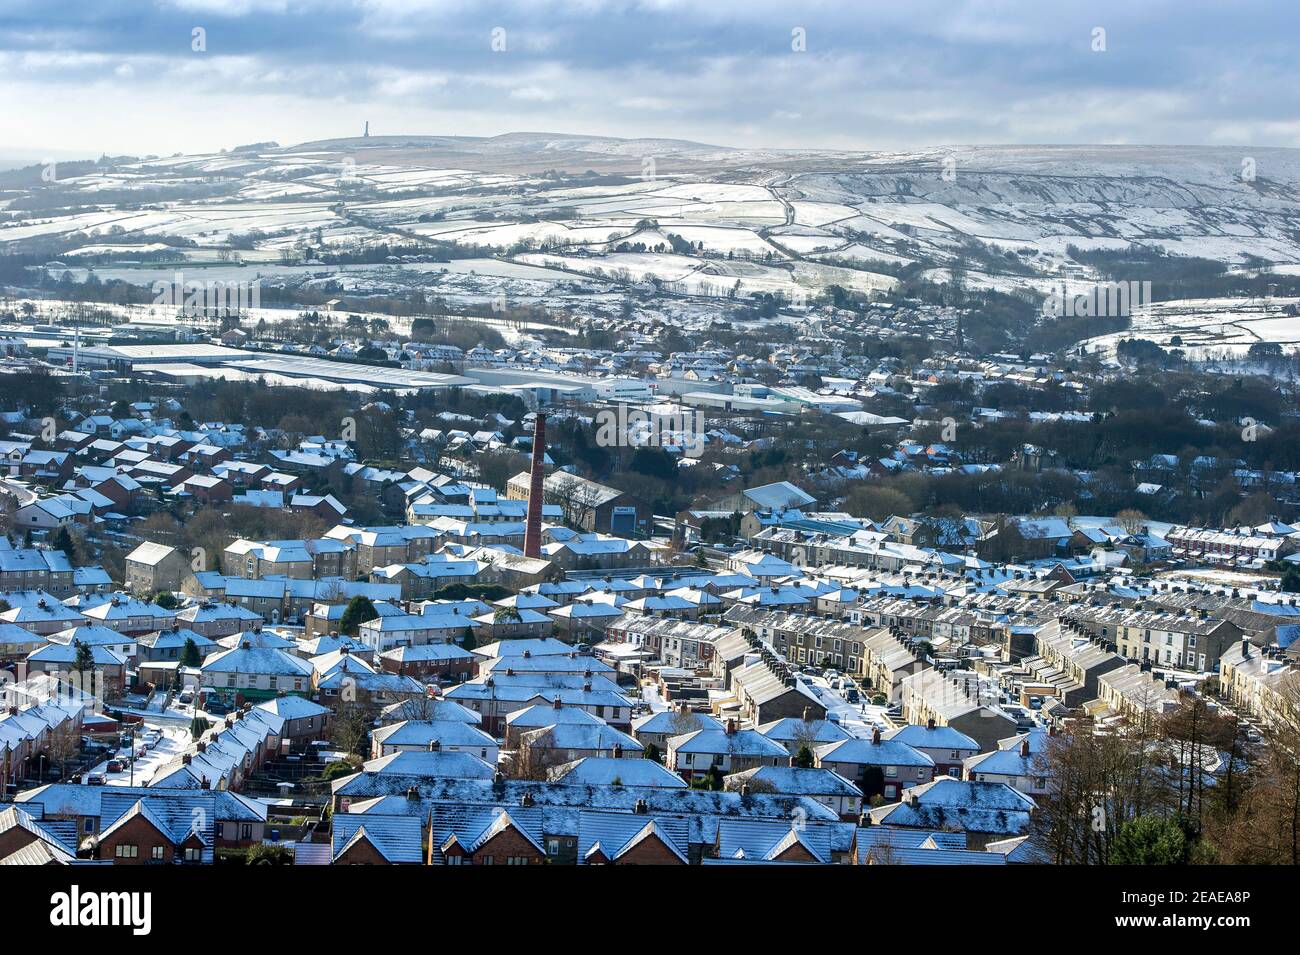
point(422, 732)
point(971, 806)
point(937, 737)
point(397, 839)
point(814, 732)
point(439, 764)
point(608, 771)
point(866, 753)
point(794, 781)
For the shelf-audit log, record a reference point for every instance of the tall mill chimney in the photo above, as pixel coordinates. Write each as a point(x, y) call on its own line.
point(533, 528)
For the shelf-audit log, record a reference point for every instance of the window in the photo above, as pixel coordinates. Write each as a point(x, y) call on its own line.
point(125, 850)
point(246, 830)
point(891, 771)
point(156, 853)
point(193, 855)
point(88, 824)
point(485, 860)
point(517, 860)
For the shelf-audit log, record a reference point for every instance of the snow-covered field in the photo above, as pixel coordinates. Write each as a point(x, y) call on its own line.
point(1210, 328)
point(757, 221)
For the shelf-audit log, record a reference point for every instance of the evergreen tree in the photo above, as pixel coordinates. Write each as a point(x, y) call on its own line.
point(62, 540)
point(1150, 840)
point(84, 664)
point(358, 611)
point(190, 656)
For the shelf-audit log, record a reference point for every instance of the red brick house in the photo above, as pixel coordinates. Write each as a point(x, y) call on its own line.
point(206, 490)
point(430, 661)
point(141, 837)
point(647, 847)
point(501, 843)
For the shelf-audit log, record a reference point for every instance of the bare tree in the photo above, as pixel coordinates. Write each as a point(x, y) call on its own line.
point(576, 498)
point(1264, 829)
point(683, 721)
point(1192, 737)
point(1102, 779)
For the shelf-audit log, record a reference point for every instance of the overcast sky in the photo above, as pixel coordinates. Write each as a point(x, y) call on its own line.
point(81, 77)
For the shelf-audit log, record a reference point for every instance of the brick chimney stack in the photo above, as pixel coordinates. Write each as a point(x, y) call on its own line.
point(533, 527)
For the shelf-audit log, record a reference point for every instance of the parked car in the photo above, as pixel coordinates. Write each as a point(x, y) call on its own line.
point(114, 766)
point(852, 695)
point(95, 779)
